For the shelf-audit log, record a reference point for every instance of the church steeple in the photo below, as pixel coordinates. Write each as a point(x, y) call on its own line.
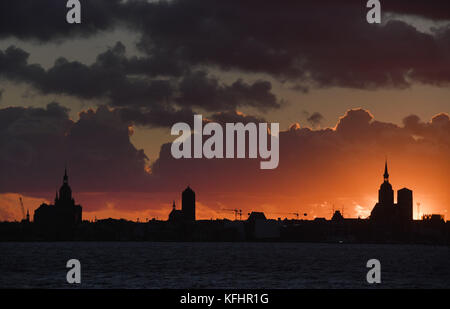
point(386, 174)
point(65, 193)
point(66, 178)
point(386, 194)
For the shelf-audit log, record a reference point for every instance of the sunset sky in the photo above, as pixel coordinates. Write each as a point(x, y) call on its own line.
point(102, 96)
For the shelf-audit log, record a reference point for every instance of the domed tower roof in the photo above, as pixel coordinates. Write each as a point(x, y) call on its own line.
point(188, 190)
point(386, 186)
point(337, 216)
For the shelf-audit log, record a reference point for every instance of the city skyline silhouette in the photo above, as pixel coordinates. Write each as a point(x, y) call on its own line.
point(103, 96)
point(390, 221)
point(249, 147)
point(340, 183)
point(278, 213)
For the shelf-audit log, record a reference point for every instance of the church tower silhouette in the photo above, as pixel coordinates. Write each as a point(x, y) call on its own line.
point(386, 210)
point(64, 213)
point(386, 194)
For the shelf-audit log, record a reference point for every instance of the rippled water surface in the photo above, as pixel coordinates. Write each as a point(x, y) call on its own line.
point(222, 265)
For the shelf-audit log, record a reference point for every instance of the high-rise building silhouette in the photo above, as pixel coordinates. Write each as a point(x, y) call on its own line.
point(188, 204)
point(405, 204)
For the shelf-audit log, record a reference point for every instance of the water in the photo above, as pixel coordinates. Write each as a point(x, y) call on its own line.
point(222, 265)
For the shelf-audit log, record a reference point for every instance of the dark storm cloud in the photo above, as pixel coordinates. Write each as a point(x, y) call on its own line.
point(158, 116)
point(198, 89)
point(312, 162)
point(315, 119)
point(45, 20)
point(35, 144)
point(101, 148)
point(143, 87)
point(435, 10)
point(234, 117)
point(436, 130)
point(306, 42)
point(310, 43)
point(107, 77)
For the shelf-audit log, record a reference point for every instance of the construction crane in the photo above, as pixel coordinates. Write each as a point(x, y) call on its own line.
point(236, 213)
point(23, 209)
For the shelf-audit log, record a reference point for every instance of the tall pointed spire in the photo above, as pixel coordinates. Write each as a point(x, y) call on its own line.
point(66, 178)
point(386, 174)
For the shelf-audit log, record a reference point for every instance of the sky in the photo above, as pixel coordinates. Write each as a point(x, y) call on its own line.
point(100, 97)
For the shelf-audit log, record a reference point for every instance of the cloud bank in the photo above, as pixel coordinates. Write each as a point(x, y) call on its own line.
point(327, 164)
